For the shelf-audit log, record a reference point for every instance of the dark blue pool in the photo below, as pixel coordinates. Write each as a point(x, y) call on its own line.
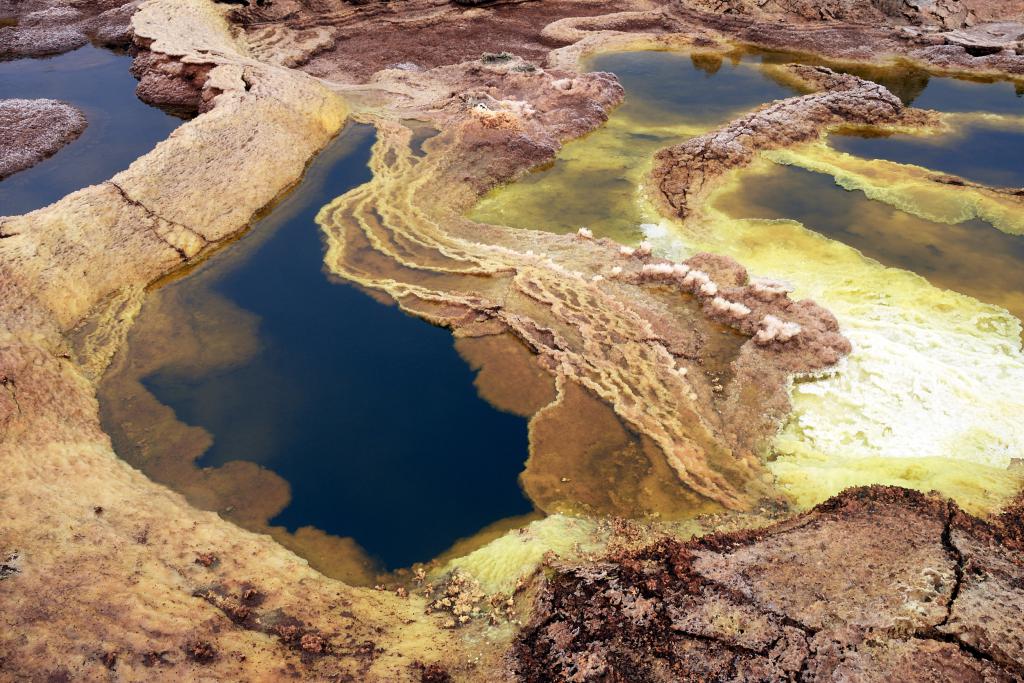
point(370, 414)
point(984, 153)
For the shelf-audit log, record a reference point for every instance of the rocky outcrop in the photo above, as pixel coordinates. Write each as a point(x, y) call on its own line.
point(942, 13)
point(684, 173)
point(37, 27)
point(875, 584)
point(32, 130)
point(940, 49)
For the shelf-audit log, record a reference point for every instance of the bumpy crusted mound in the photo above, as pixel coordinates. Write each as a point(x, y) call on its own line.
point(875, 584)
point(684, 173)
point(31, 130)
point(42, 27)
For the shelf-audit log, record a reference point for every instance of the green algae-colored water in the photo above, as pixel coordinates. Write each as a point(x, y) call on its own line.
point(597, 180)
point(929, 397)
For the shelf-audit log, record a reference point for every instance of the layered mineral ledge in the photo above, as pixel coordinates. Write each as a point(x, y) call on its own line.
point(106, 574)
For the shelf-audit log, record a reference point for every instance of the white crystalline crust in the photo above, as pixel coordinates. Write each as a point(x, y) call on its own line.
point(933, 373)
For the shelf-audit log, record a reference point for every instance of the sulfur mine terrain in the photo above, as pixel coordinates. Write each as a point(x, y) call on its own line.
point(666, 544)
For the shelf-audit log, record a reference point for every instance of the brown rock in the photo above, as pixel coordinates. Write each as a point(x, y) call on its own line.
point(861, 588)
point(38, 27)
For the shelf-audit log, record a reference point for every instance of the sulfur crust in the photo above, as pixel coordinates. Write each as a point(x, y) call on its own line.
point(960, 360)
point(498, 565)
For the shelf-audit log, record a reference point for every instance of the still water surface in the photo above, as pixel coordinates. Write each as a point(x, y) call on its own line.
point(121, 127)
point(369, 414)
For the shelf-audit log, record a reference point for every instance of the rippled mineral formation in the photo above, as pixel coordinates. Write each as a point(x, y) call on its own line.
point(671, 548)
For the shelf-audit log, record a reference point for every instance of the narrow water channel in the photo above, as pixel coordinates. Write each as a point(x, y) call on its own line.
point(121, 127)
point(971, 257)
point(987, 152)
point(367, 417)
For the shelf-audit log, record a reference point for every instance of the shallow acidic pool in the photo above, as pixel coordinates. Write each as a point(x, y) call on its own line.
point(596, 181)
point(121, 127)
point(368, 414)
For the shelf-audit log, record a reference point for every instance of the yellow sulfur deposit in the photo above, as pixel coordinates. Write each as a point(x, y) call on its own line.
point(929, 398)
point(497, 565)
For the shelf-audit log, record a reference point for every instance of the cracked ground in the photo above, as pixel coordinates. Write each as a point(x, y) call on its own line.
point(907, 590)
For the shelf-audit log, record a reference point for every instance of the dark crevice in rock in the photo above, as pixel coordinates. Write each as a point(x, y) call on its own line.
point(958, 564)
point(982, 50)
point(966, 648)
point(9, 567)
point(156, 217)
point(9, 385)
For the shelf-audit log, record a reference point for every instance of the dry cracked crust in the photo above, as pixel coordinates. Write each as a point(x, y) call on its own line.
point(877, 582)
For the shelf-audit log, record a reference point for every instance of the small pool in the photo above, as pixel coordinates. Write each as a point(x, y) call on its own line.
point(969, 95)
point(369, 415)
point(979, 151)
point(121, 127)
point(970, 257)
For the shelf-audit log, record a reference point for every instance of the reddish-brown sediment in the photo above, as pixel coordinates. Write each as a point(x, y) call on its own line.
point(988, 44)
point(32, 130)
point(103, 570)
point(875, 584)
point(932, 14)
